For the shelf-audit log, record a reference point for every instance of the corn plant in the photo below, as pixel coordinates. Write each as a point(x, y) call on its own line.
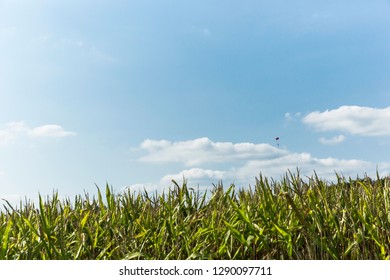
point(288, 219)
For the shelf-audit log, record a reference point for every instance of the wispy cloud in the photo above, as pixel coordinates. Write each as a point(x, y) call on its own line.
point(292, 117)
point(332, 141)
point(11, 131)
point(356, 120)
point(50, 131)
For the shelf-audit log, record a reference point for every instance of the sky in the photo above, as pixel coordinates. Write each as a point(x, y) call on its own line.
point(134, 94)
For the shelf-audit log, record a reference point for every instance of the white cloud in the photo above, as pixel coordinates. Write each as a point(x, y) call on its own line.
point(50, 131)
point(355, 120)
point(11, 131)
point(203, 150)
point(307, 164)
point(245, 174)
point(332, 141)
point(195, 174)
point(245, 161)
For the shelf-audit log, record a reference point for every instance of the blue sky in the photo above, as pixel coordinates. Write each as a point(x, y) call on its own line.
point(136, 93)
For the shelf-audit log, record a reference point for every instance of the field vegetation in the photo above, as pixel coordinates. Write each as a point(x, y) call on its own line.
point(286, 219)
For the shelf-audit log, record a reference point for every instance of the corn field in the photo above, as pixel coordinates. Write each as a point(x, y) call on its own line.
point(290, 219)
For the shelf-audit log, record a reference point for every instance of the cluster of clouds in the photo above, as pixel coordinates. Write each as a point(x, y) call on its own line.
point(243, 161)
point(203, 161)
point(10, 132)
